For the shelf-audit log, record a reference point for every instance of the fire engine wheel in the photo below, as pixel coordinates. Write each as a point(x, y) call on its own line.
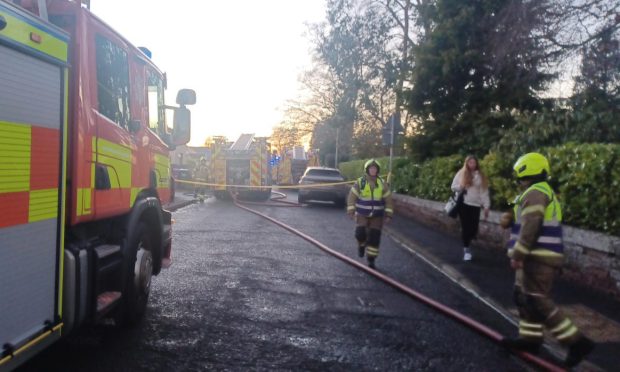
point(140, 272)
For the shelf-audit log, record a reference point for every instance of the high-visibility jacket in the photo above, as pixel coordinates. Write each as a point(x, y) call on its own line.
point(371, 201)
point(529, 237)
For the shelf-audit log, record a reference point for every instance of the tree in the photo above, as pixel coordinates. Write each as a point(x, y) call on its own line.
point(600, 71)
point(463, 85)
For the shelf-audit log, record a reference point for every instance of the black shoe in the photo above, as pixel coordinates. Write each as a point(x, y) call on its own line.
point(521, 345)
point(371, 263)
point(360, 250)
point(578, 351)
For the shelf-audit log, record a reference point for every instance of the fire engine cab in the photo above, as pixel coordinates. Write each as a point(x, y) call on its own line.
point(84, 173)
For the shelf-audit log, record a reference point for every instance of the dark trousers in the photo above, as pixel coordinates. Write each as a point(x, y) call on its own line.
point(532, 295)
point(470, 218)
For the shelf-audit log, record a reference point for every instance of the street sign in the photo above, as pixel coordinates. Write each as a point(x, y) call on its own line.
point(391, 129)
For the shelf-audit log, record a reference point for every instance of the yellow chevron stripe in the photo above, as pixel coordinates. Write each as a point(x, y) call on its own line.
point(43, 205)
point(15, 147)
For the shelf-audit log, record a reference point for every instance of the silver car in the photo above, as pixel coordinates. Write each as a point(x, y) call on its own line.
point(323, 175)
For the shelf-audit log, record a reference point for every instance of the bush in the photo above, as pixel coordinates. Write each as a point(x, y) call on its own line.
point(429, 180)
point(586, 178)
point(355, 168)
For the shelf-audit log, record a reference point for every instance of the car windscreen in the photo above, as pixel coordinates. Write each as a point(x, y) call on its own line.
point(323, 173)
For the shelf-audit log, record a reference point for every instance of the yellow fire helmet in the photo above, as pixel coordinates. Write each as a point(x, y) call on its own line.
point(531, 164)
point(372, 162)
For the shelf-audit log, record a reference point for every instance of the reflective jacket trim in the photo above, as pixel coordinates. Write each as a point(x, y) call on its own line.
point(533, 208)
point(370, 202)
point(550, 238)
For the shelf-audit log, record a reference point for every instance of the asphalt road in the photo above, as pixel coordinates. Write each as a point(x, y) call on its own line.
point(244, 294)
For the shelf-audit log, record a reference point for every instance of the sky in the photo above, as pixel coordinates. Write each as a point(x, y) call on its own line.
point(243, 57)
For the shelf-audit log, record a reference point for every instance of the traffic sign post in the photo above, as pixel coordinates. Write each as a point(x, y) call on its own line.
point(389, 131)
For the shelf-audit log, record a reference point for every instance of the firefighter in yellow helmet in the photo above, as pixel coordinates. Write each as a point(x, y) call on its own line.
point(536, 254)
point(370, 201)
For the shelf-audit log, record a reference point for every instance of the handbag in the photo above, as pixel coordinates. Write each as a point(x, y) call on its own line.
point(454, 203)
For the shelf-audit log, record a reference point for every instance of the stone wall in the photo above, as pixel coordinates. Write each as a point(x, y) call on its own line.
point(592, 258)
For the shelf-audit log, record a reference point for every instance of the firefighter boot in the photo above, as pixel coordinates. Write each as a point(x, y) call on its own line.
point(371, 262)
point(360, 250)
point(521, 345)
point(578, 351)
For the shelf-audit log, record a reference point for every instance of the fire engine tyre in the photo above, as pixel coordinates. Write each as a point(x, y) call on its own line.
point(139, 274)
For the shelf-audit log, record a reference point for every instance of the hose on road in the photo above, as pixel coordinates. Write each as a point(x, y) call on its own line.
point(467, 321)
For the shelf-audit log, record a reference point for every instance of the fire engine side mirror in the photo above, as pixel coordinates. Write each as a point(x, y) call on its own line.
point(186, 97)
point(181, 130)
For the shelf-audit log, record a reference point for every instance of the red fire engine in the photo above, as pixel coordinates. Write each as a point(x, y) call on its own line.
point(84, 172)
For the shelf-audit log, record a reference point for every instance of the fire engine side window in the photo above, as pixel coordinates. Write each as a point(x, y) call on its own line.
point(112, 81)
point(156, 104)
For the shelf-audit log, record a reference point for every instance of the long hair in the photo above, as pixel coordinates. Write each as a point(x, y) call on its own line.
point(467, 176)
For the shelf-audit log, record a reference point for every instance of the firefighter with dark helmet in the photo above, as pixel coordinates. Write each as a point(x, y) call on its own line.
point(370, 201)
point(536, 254)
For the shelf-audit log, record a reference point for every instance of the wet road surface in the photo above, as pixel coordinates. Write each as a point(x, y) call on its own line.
point(244, 294)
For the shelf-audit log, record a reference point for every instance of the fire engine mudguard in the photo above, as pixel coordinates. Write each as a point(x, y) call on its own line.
point(148, 210)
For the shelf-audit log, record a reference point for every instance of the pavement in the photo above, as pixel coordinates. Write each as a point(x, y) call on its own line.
point(181, 199)
point(489, 277)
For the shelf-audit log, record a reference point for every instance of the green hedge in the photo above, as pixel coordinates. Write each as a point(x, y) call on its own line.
point(355, 168)
point(585, 176)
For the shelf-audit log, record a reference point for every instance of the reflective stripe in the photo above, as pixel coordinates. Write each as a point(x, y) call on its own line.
point(372, 251)
point(162, 168)
point(84, 201)
point(118, 160)
point(389, 210)
point(370, 202)
point(524, 332)
point(530, 325)
point(15, 144)
point(370, 206)
point(521, 248)
point(533, 209)
point(350, 208)
point(550, 238)
point(562, 326)
point(43, 205)
point(546, 253)
point(569, 333)
point(19, 31)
